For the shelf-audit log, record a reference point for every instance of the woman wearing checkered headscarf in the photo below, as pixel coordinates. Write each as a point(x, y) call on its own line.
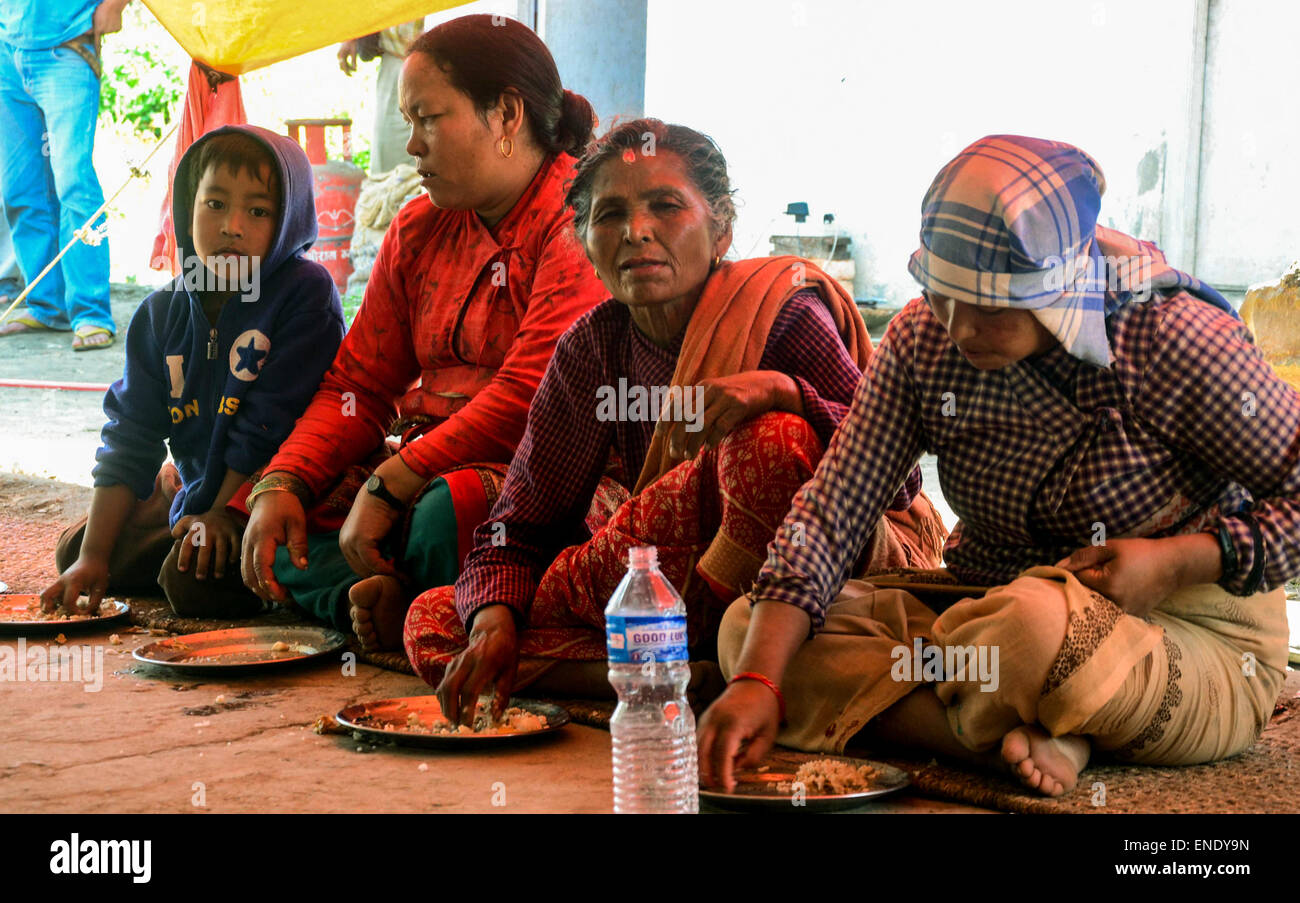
point(1126, 469)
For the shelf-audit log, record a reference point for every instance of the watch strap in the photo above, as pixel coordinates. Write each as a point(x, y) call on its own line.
point(375, 486)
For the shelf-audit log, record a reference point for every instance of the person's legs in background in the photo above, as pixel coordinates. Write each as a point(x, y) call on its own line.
point(388, 144)
point(68, 92)
point(27, 185)
point(11, 278)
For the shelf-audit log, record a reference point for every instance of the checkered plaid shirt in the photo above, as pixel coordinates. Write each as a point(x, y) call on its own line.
point(565, 449)
point(1189, 428)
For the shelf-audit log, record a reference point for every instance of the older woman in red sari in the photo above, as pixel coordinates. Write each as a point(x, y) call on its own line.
point(758, 360)
point(475, 282)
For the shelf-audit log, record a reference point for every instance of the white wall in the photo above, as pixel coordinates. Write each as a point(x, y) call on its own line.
point(1250, 153)
point(853, 106)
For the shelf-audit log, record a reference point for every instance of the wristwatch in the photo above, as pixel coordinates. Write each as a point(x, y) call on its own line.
point(375, 486)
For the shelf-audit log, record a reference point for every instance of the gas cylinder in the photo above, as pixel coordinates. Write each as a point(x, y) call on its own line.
point(337, 184)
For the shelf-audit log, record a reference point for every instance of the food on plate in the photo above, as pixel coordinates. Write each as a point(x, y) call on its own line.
point(830, 777)
point(514, 721)
point(14, 609)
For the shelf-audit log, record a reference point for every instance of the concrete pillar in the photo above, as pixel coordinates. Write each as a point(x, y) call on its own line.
point(1182, 189)
point(599, 47)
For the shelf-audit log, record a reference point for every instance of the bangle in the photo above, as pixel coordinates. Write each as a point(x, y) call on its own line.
point(279, 482)
point(765, 681)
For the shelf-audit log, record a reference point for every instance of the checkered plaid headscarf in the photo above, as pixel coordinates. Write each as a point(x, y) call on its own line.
point(1012, 222)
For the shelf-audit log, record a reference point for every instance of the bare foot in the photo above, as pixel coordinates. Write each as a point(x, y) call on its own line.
point(1050, 765)
point(378, 613)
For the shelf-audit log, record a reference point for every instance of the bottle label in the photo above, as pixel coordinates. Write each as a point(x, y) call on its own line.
point(633, 639)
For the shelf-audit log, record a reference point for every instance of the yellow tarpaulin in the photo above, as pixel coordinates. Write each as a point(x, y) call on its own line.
point(237, 36)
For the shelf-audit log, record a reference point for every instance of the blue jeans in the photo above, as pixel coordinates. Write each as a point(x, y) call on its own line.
point(49, 102)
point(11, 278)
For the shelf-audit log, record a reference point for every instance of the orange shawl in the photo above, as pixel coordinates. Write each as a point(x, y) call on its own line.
point(728, 330)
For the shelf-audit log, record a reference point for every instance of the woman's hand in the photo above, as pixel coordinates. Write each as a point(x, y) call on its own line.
point(372, 519)
point(1139, 574)
point(740, 727)
point(88, 575)
point(217, 536)
point(717, 406)
point(736, 732)
point(277, 519)
point(369, 522)
point(489, 661)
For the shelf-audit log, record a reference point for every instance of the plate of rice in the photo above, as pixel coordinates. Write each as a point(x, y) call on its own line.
point(239, 649)
point(22, 613)
point(808, 782)
point(418, 721)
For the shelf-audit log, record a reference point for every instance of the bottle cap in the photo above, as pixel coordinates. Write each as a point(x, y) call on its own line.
point(643, 556)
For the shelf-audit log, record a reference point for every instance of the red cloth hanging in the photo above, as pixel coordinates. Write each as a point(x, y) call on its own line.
point(212, 99)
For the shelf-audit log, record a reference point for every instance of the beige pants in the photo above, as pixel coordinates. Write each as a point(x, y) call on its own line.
point(1193, 683)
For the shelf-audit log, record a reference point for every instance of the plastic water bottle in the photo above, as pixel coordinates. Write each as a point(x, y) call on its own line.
point(653, 728)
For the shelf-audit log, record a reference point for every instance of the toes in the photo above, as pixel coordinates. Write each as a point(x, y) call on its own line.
point(1015, 747)
point(366, 636)
point(363, 627)
point(363, 596)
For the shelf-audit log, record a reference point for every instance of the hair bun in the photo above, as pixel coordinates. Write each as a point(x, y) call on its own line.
point(577, 124)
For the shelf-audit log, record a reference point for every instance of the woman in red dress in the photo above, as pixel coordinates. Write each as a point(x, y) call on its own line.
point(474, 283)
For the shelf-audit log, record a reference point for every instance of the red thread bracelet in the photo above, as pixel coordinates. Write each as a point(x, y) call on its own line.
point(765, 681)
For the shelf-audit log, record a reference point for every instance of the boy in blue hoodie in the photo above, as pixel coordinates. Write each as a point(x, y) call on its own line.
point(219, 364)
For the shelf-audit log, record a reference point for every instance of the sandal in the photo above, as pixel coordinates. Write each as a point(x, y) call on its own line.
point(23, 324)
point(82, 340)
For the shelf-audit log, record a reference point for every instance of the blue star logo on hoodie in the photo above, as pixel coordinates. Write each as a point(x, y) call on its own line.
point(248, 353)
point(250, 357)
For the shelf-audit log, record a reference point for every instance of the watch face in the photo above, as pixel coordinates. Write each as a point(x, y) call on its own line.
point(374, 483)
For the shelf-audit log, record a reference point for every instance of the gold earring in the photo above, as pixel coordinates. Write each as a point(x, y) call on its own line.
point(502, 148)
point(716, 261)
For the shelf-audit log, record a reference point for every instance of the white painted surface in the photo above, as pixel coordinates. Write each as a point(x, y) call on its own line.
point(1250, 152)
point(853, 106)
